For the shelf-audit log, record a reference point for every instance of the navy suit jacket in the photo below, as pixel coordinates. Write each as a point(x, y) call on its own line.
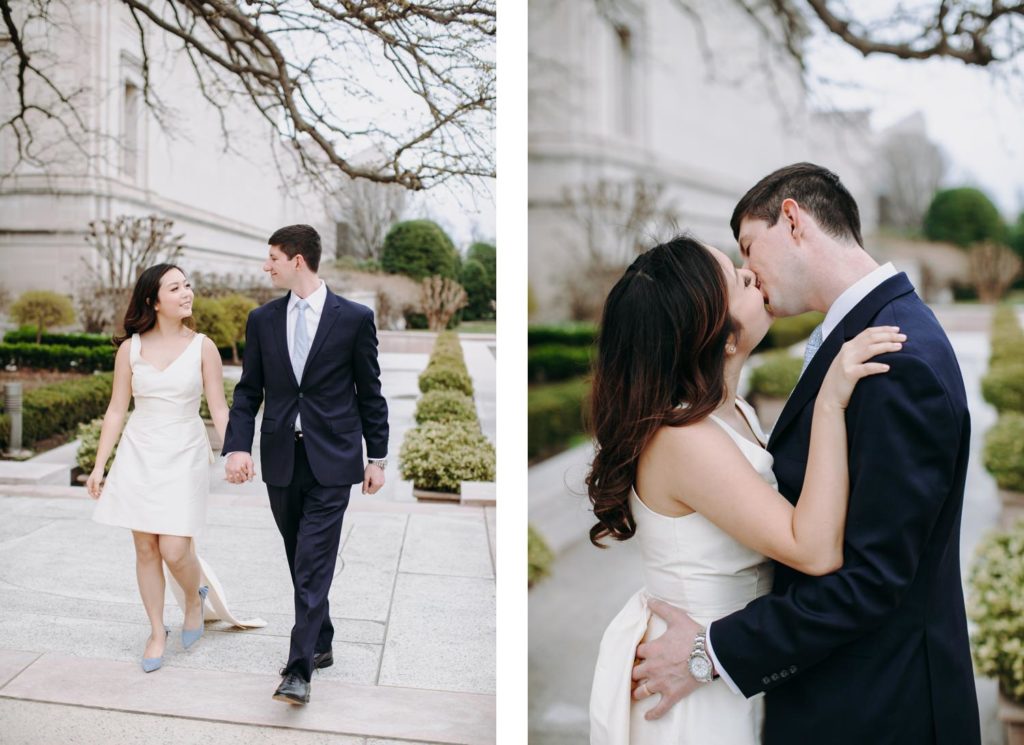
point(338, 395)
point(876, 652)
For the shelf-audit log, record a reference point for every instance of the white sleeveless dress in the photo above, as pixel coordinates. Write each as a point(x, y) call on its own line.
point(160, 477)
point(690, 563)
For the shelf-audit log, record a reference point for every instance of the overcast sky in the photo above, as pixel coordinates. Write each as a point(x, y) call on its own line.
point(976, 117)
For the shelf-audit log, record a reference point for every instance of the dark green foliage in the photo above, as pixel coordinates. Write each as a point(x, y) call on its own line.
point(554, 416)
point(569, 335)
point(419, 249)
point(785, 332)
point(58, 357)
point(27, 335)
point(1003, 387)
point(1004, 452)
point(60, 407)
point(776, 377)
point(479, 291)
point(551, 363)
point(963, 216)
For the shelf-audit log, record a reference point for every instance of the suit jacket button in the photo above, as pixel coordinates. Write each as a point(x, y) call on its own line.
point(300, 395)
point(784, 673)
point(766, 680)
point(792, 668)
point(775, 676)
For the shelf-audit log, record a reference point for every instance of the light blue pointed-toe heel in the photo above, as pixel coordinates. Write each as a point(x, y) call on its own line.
point(149, 664)
point(191, 636)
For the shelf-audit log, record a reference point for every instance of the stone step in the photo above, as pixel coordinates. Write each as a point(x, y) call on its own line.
point(238, 699)
point(32, 472)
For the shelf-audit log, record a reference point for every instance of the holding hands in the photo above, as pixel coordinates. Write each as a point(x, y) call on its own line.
point(239, 468)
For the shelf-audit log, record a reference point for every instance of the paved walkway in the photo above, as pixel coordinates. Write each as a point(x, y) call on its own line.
point(413, 605)
point(569, 610)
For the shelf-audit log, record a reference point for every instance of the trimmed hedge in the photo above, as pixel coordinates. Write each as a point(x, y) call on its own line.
point(1003, 387)
point(445, 406)
point(785, 332)
point(1004, 452)
point(229, 396)
point(549, 363)
point(446, 369)
point(566, 335)
point(439, 456)
point(554, 416)
point(60, 407)
point(777, 376)
point(27, 335)
point(58, 357)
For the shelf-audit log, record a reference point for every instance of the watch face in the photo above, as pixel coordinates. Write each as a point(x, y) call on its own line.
point(700, 668)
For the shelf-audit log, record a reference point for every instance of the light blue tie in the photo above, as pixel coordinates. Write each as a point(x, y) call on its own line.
point(813, 343)
point(300, 345)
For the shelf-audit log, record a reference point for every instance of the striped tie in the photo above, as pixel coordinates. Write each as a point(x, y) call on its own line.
point(812, 346)
point(300, 346)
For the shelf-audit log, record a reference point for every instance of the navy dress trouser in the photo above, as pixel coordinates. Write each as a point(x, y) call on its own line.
point(309, 517)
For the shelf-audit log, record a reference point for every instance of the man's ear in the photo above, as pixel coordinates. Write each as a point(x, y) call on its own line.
point(794, 216)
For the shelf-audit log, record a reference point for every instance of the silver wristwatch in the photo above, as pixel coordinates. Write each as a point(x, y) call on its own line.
point(381, 463)
point(700, 665)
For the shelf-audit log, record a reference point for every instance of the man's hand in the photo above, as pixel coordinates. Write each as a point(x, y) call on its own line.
point(373, 479)
point(663, 663)
point(239, 468)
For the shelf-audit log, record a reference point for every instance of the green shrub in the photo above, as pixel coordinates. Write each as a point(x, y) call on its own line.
point(60, 407)
point(58, 357)
point(996, 607)
point(27, 335)
point(445, 406)
point(1005, 322)
point(236, 309)
point(211, 318)
point(963, 216)
point(419, 249)
point(776, 377)
point(42, 309)
point(539, 557)
point(550, 363)
point(1003, 387)
point(1004, 452)
point(229, 396)
point(785, 332)
point(566, 335)
point(1007, 351)
point(89, 434)
point(445, 376)
point(439, 457)
point(554, 416)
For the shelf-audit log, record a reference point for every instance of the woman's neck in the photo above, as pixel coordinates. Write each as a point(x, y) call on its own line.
point(733, 367)
point(168, 327)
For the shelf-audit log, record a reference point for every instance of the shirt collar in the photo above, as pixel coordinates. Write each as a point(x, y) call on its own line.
point(316, 299)
point(853, 295)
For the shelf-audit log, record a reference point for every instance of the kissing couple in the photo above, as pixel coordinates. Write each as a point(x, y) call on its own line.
point(818, 567)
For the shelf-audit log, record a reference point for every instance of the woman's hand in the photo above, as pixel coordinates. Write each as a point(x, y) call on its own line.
point(851, 364)
point(94, 484)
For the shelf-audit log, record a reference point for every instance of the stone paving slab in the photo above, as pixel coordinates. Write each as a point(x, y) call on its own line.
point(220, 696)
point(454, 545)
point(441, 634)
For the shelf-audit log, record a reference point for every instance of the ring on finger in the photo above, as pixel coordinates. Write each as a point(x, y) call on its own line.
point(647, 691)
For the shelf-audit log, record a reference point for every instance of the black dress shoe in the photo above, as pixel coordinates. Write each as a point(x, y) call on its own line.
point(323, 659)
point(293, 690)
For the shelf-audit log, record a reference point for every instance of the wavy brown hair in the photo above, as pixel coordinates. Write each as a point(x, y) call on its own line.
point(662, 343)
point(141, 314)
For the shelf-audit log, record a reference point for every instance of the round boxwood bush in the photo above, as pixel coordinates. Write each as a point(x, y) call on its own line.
point(1004, 452)
point(963, 216)
point(996, 606)
point(445, 406)
point(439, 457)
point(445, 377)
point(1003, 387)
point(419, 249)
point(776, 377)
point(1007, 350)
point(89, 434)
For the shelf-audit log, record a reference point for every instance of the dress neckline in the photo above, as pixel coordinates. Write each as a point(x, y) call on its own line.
point(188, 346)
point(760, 444)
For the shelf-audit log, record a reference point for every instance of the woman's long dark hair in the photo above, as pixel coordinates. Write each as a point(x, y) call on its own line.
point(141, 314)
point(662, 343)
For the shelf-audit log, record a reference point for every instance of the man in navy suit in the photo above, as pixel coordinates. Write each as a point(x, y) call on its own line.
point(311, 358)
point(876, 652)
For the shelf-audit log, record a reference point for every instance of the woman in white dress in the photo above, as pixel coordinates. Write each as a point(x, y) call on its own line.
point(681, 464)
point(159, 480)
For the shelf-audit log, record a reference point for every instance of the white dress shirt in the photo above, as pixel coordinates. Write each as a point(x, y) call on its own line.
point(836, 312)
point(316, 301)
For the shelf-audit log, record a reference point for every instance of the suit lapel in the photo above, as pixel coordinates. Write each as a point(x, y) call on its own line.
point(330, 313)
point(855, 321)
point(279, 329)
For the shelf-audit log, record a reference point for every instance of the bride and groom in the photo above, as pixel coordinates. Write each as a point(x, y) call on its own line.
point(820, 566)
point(311, 360)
